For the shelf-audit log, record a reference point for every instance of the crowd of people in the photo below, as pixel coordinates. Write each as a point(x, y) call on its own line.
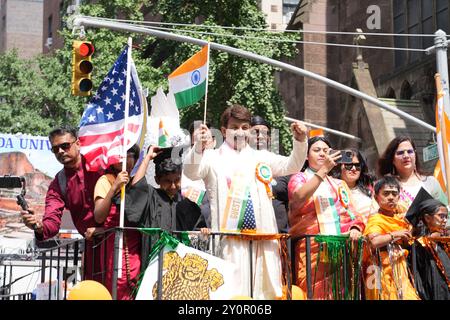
point(241, 186)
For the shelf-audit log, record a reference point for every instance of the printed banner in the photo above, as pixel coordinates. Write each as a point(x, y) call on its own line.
point(189, 274)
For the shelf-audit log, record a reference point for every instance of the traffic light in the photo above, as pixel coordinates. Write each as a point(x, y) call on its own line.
point(81, 68)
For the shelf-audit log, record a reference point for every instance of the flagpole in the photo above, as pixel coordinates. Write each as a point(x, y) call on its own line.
point(124, 154)
point(206, 88)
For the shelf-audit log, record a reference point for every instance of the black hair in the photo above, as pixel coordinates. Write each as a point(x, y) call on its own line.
point(62, 131)
point(136, 151)
point(365, 180)
point(311, 141)
point(387, 180)
point(430, 207)
point(385, 163)
point(166, 166)
point(259, 121)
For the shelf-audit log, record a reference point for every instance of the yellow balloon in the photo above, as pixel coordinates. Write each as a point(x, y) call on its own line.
point(241, 298)
point(297, 293)
point(89, 290)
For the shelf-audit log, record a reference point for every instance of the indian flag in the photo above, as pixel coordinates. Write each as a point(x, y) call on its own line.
point(163, 138)
point(188, 82)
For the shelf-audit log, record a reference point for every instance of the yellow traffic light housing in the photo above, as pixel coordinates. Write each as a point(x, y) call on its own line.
point(81, 68)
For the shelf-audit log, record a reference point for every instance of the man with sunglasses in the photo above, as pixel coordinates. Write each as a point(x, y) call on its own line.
point(71, 189)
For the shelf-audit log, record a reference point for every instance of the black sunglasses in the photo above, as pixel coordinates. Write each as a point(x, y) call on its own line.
point(349, 166)
point(65, 146)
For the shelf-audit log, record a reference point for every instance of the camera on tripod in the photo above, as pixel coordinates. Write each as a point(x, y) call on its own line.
point(12, 182)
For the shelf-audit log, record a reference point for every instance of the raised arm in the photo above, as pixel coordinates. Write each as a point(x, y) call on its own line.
point(193, 160)
point(306, 191)
point(152, 152)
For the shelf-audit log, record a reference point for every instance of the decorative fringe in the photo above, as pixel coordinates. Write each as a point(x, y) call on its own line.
point(430, 244)
point(344, 259)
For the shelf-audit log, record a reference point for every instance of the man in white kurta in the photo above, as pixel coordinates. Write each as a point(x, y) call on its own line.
point(235, 163)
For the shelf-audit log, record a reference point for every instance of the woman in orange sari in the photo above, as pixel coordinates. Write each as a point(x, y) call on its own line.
point(319, 204)
point(385, 265)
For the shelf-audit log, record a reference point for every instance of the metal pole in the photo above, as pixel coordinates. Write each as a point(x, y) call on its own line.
point(293, 244)
point(287, 270)
point(250, 243)
point(43, 267)
point(336, 132)
point(78, 21)
point(117, 236)
point(65, 271)
point(58, 275)
point(50, 276)
point(414, 263)
point(159, 285)
point(309, 292)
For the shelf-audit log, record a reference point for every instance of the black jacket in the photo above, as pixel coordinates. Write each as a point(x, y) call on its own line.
point(149, 207)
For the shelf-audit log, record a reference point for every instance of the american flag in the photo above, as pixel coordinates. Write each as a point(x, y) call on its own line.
point(249, 222)
point(102, 125)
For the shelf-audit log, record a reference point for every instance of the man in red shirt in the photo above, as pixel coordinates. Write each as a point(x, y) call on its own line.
point(72, 188)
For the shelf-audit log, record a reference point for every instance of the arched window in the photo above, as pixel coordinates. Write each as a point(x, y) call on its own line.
point(390, 93)
point(406, 92)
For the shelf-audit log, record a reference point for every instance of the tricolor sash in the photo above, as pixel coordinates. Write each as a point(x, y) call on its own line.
point(327, 215)
point(194, 194)
point(237, 198)
point(326, 211)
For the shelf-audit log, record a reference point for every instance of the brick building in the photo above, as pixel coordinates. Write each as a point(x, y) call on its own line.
point(405, 76)
point(21, 26)
point(53, 13)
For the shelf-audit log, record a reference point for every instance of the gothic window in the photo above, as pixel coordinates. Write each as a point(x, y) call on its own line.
point(417, 16)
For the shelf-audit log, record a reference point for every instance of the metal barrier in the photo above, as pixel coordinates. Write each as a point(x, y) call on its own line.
point(210, 248)
point(66, 258)
point(62, 256)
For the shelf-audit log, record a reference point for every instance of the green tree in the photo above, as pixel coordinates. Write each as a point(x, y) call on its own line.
point(232, 79)
point(35, 95)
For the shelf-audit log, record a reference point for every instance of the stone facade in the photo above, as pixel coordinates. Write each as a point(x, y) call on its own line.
point(21, 26)
point(314, 102)
point(273, 9)
point(54, 10)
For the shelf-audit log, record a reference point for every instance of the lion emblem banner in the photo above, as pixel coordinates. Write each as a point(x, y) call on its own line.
point(189, 274)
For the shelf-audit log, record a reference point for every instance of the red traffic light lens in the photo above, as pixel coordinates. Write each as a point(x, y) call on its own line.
point(86, 49)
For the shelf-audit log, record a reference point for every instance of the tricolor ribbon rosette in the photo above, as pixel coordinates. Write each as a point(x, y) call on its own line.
point(264, 174)
point(344, 198)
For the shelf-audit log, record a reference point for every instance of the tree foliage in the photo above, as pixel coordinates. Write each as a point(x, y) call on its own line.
point(35, 95)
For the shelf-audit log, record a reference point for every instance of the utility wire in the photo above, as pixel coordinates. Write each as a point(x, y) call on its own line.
point(273, 30)
point(286, 41)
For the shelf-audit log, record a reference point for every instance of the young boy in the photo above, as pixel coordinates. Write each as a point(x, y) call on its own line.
point(164, 207)
point(237, 178)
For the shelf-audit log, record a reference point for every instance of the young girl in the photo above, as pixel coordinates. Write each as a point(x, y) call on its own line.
point(106, 194)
